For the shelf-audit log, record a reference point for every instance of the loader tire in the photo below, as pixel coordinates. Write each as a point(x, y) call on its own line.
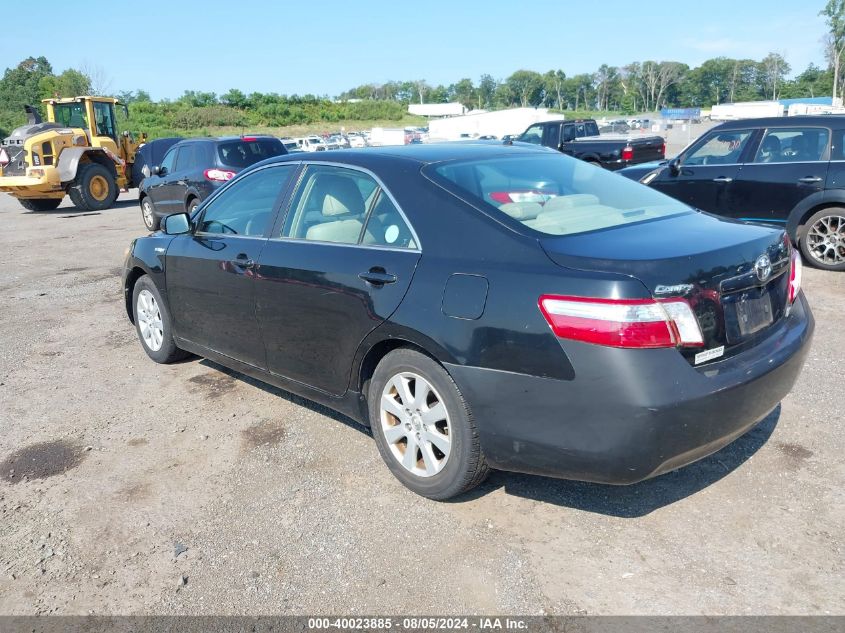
point(41, 204)
point(94, 188)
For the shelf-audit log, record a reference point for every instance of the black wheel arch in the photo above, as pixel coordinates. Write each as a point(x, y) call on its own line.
point(810, 205)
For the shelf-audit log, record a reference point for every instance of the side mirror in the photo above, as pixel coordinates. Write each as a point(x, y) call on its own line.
point(675, 166)
point(176, 224)
point(157, 170)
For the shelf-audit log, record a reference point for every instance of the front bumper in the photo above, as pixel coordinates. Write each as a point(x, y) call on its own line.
point(631, 414)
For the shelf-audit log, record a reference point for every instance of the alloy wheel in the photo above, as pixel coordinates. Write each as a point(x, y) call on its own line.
point(415, 423)
point(147, 211)
point(826, 240)
point(148, 314)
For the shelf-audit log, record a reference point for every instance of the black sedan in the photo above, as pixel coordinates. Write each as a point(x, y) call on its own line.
point(482, 306)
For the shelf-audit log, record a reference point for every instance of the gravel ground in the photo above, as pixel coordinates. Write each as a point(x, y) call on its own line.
point(132, 488)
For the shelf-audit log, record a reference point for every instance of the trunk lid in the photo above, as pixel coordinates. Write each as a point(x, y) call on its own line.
point(734, 275)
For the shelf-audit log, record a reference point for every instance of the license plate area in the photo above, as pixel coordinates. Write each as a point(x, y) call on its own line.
point(748, 312)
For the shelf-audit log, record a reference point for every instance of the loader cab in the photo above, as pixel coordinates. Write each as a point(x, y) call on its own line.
point(95, 115)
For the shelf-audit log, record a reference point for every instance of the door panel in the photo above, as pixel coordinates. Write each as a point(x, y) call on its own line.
point(767, 193)
point(705, 187)
point(210, 286)
point(790, 165)
point(210, 274)
point(315, 310)
point(159, 187)
point(342, 265)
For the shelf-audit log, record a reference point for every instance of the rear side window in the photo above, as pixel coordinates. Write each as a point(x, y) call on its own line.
point(242, 153)
point(794, 145)
point(346, 206)
point(553, 194)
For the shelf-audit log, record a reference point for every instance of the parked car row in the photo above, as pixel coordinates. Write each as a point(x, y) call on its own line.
point(787, 172)
point(589, 327)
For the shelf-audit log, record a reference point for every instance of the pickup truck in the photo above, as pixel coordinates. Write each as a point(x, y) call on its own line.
point(581, 139)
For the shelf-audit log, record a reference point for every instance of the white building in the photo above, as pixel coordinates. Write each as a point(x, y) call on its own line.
point(437, 109)
point(497, 123)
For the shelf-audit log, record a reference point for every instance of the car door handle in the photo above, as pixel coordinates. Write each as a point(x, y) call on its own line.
point(243, 261)
point(723, 179)
point(377, 277)
point(810, 180)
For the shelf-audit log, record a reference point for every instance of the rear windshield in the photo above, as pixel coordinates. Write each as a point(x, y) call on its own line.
point(240, 153)
point(554, 194)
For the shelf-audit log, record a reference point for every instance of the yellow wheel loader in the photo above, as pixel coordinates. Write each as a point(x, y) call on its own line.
point(77, 151)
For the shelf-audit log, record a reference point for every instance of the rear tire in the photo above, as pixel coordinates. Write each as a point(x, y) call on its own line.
point(823, 240)
point(193, 203)
point(415, 405)
point(41, 204)
point(153, 323)
point(94, 188)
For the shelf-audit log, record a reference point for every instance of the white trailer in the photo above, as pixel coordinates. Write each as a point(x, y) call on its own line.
point(746, 110)
point(497, 123)
point(387, 136)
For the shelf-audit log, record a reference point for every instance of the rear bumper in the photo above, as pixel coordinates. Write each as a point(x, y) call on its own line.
point(631, 414)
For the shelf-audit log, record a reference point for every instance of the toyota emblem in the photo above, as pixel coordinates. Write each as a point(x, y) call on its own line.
point(763, 267)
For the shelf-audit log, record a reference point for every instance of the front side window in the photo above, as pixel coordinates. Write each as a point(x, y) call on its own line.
point(168, 161)
point(71, 115)
point(553, 194)
point(346, 206)
point(104, 114)
point(246, 206)
point(793, 146)
point(534, 135)
point(719, 148)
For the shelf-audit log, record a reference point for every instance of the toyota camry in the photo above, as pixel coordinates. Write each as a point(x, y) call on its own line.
point(482, 306)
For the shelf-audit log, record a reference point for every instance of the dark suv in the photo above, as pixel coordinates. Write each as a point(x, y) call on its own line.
point(786, 171)
point(192, 169)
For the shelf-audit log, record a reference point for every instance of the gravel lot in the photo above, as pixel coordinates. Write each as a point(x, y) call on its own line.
point(188, 489)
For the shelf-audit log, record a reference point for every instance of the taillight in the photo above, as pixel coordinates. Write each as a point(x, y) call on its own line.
point(519, 195)
point(628, 323)
point(663, 149)
point(627, 153)
point(795, 270)
point(249, 139)
point(220, 175)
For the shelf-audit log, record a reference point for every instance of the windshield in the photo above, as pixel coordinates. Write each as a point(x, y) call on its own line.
point(70, 114)
point(245, 153)
point(554, 194)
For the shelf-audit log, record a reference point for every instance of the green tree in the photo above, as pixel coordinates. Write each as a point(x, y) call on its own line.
point(486, 91)
point(834, 13)
point(71, 83)
point(21, 85)
point(526, 86)
point(773, 72)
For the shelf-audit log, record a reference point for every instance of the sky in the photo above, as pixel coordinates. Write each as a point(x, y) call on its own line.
point(324, 47)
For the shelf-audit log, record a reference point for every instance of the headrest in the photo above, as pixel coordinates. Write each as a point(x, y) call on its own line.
point(521, 210)
point(340, 195)
point(567, 202)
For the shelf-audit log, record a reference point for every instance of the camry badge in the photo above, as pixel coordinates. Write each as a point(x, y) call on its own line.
point(763, 267)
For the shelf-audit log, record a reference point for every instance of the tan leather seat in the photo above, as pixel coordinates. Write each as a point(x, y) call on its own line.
point(568, 202)
point(341, 199)
point(522, 210)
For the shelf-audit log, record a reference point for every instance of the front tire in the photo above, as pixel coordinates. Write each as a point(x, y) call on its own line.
point(148, 214)
point(823, 240)
point(41, 204)
point(423, 428)
point(94, 188)
point(153, 323)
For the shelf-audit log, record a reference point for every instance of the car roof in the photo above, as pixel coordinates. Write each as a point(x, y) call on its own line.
point(825, 120)
point(421, 153)
point(223, 139)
